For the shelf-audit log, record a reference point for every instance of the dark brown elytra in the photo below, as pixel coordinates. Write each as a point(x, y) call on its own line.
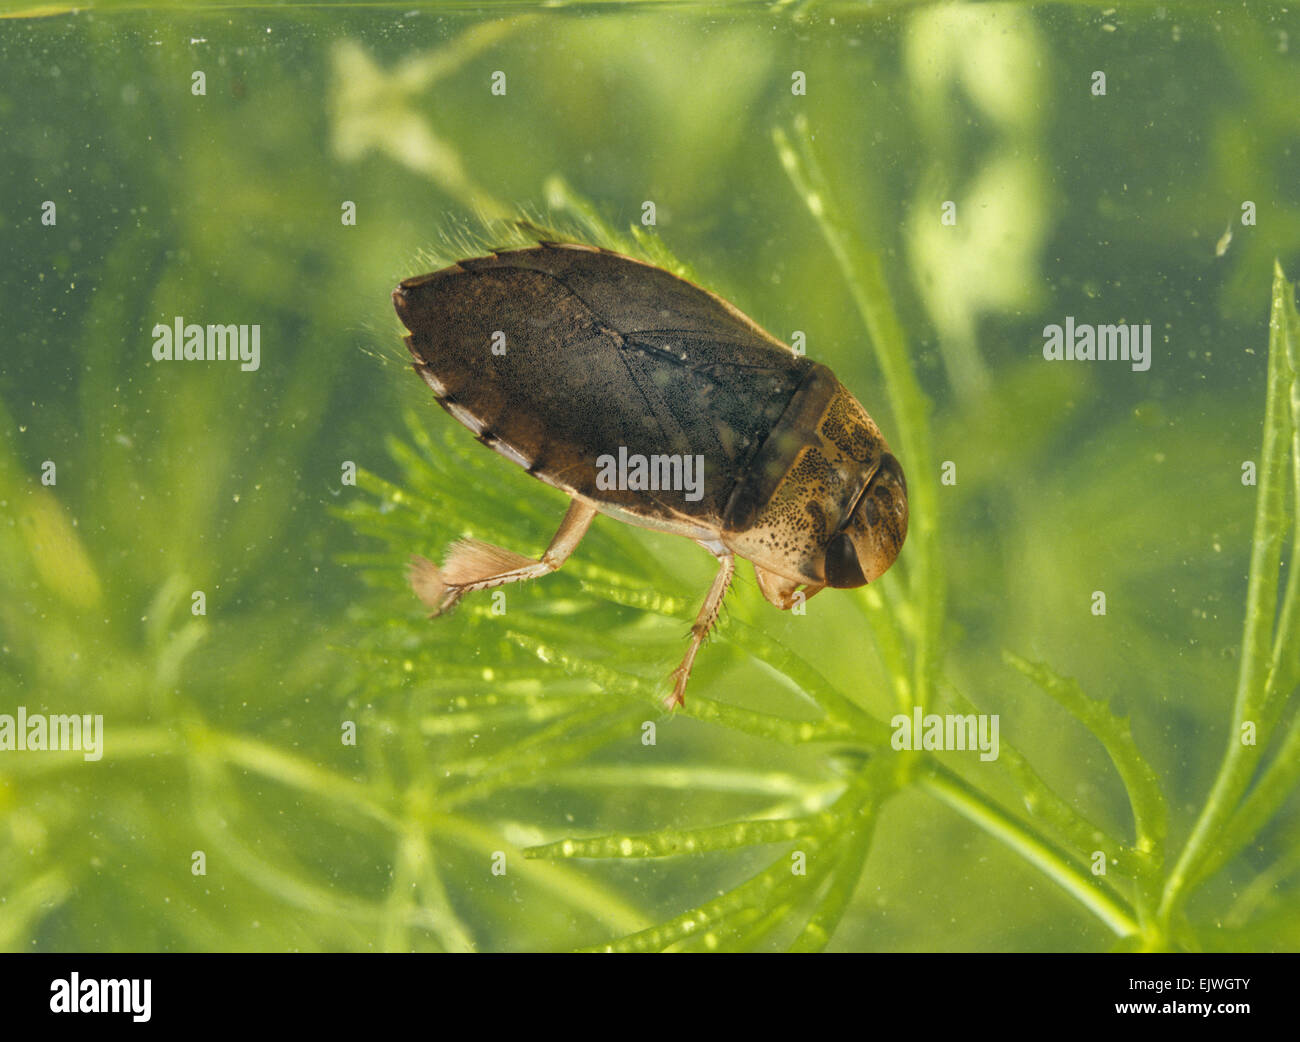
point(566, 358)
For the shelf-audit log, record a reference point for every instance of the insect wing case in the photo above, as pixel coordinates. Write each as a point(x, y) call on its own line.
point(600, 353)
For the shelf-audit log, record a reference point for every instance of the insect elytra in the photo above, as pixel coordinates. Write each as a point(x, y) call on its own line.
point(643, 397)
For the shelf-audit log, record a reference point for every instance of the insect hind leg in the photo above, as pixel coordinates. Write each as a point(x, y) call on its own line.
point(704, 622)
point(474, 565)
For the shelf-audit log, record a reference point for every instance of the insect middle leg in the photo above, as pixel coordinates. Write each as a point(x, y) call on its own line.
point(475, 565)
point(704, 622)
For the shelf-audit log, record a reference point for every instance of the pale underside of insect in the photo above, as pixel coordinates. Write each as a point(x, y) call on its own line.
point(561, 357)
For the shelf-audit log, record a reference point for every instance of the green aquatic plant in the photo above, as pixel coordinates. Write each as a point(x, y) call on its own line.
point(559, 690)
point(315, 765)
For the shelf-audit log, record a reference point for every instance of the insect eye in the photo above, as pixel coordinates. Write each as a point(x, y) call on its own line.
point(842, 568)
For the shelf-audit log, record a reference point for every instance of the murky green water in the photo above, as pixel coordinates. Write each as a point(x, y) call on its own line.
point(294, 757)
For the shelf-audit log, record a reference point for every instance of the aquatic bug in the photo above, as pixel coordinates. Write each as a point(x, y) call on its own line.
point(646, 398)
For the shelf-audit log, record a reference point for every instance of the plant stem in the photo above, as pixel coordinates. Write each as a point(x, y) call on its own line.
point(864, 271)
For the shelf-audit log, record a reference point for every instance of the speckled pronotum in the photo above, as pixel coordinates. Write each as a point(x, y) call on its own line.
point(564, 358)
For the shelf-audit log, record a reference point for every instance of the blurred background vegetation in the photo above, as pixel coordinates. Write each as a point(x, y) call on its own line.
point(481, 734)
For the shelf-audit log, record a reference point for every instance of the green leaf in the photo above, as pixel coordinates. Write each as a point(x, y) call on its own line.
point(671, 842)
point(1150, 811)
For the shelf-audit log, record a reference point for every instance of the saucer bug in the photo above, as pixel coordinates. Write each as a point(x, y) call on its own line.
point(648, 399)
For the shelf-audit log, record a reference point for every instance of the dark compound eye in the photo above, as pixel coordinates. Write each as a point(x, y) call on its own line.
point(842, 568)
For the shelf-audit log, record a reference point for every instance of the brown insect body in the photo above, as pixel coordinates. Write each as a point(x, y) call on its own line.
point(597, 354)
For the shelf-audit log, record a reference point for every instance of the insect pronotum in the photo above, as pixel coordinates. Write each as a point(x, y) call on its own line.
point(645, 398)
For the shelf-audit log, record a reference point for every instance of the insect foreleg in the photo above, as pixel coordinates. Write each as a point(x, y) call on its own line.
point(703, 624)
point(784, 592)
point(475, 565)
